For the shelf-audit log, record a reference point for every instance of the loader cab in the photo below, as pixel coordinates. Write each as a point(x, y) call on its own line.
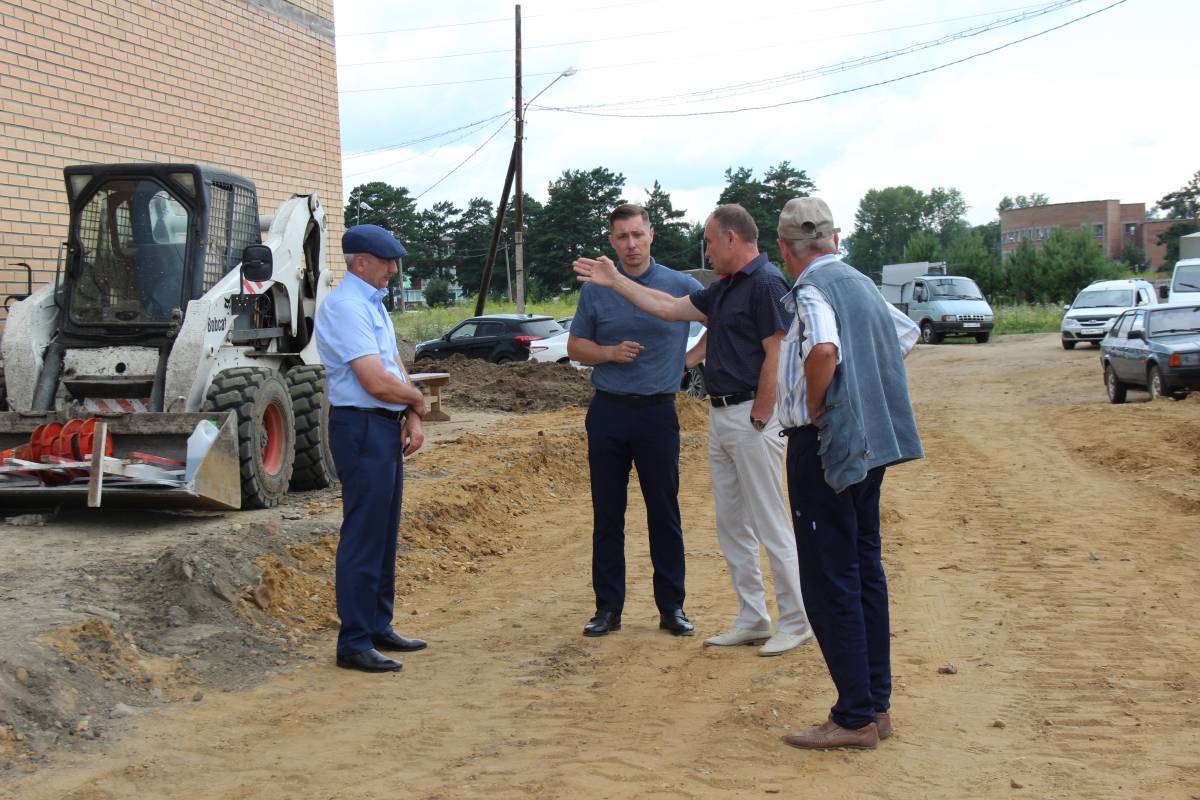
point(147, 238)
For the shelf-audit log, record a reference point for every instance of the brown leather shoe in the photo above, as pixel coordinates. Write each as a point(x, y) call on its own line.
point(883, 720)
point(831, 736)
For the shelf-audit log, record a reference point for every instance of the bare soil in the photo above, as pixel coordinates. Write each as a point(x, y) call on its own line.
point(1043, 577)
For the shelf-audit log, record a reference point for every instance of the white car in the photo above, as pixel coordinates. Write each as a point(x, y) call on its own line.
point(1098, 305)
point(552, 348)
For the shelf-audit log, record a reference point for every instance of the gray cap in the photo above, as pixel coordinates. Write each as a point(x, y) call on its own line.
point(806, 218)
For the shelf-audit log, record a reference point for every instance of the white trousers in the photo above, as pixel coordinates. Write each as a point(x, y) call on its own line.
point(747, 477)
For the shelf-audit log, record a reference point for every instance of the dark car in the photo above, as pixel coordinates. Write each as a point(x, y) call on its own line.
point(498, 338)
point(1157, 348)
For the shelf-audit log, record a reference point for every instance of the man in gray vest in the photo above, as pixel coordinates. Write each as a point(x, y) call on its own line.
point(842, 399)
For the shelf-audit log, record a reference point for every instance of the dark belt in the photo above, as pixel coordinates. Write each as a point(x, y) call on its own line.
point(386, 413)
point(722, 400)
point(786, 432)
point(636, 400)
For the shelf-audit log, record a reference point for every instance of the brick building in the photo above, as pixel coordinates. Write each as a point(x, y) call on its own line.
point(250, 85)
point(1112, 223)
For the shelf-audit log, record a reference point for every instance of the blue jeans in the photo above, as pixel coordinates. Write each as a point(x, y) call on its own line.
point(620, 436)
point(841, 576)
point(367, 453)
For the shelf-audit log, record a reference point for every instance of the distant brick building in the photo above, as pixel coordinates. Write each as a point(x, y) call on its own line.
point(1113, 225)
point(250, 85)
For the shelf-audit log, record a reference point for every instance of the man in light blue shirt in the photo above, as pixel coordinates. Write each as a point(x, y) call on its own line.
point(374, 421)
point(638, 366)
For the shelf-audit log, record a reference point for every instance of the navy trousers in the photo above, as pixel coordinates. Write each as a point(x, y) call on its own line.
point(367, 453)
point(841, 577)
point(620, 436)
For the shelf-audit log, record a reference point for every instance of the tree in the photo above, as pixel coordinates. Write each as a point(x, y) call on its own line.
point(1134, 256)
point(472, 241)
point(923, 246)
point(573, 223)
point(886, 219)
point(438, 293)
point(433, 249)
point(1021, 272)
point(672, 243)
point(382, 204)
point(1022, 201)
point(766, 198)
point(1183, 203)
point(1069, 261)
point(969, 255)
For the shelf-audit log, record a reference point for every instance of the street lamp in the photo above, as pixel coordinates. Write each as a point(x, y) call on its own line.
point(519, 205)
point(361, 205)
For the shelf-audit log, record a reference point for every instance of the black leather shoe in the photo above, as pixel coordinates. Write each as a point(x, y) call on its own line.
point(369, 661)
point(602, 624)
point(677, 623)
point(396, 643)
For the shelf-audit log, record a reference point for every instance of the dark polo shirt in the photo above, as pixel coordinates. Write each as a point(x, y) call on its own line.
point(742, 310)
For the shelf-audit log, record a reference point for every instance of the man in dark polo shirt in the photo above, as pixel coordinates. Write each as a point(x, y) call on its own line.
point(638, 366)
point(746, 323)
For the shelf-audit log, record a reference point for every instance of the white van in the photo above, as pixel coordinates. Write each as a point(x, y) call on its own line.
point(1098, 304)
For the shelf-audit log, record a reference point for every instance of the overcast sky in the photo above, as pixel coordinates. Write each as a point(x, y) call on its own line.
point(1093, 110)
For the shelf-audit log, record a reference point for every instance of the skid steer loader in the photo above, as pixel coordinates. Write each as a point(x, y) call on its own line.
point(169, 312)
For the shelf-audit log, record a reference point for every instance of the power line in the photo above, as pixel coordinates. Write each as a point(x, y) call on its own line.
point(422, 154)
point(495, 133)
point(750, 87)
point(651, 62)
point(428, 137)
point(843, 91)
point(644, 34)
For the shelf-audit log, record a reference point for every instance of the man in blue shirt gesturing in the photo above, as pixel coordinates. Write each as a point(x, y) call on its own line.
point(374, 421)
point(638, 366)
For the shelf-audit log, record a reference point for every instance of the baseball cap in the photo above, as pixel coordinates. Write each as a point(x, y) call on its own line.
point(374, 240)
point(806, 218)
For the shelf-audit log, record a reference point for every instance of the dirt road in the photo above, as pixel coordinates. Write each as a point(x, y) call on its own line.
point(1046, 549)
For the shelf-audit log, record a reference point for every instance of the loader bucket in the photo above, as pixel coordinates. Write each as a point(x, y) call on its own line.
point(133, 460)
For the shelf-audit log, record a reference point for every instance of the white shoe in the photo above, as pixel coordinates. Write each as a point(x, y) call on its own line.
point(736, 636)
point(781, 642)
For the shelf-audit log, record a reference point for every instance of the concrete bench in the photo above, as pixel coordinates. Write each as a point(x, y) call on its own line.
point(432, 382)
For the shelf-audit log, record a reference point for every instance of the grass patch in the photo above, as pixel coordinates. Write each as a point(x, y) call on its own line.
point(430, 323)
point(1028, 318)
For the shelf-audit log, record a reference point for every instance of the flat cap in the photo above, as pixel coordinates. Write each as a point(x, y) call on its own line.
point(374, 240)
point(806, 218)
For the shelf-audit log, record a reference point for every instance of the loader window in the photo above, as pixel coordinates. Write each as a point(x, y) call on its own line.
point(131, 236)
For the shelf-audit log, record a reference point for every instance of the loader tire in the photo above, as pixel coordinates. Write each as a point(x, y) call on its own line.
point(266, 430)
point(314, 468)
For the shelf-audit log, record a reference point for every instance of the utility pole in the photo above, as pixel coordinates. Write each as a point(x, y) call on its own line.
point(519, 187)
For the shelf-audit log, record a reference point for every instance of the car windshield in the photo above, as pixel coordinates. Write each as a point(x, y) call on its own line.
point(540, 327)
point(955, 289)
point(1104, 298)
point(1187, 279)
point(1175, 320)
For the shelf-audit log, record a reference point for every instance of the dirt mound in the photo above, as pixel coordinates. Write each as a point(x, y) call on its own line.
point(526, 387)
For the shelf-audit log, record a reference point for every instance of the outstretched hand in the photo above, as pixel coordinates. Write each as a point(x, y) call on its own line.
point(600, 271)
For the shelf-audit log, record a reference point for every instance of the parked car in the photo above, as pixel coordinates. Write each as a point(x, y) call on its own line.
point(943, 305)
point(693, 379)
point(1098, 304)
point(552, 348)
point(1157, 348)
point(498, 338)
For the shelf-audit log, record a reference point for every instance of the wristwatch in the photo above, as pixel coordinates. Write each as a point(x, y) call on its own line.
point(759, 424)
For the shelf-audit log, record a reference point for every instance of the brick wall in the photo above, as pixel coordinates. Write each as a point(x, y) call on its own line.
point(250, 85)
point(1037, 222)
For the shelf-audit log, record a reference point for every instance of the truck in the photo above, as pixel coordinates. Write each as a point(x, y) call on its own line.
point(942, 304)
point(170, 318)
point(1185, 279)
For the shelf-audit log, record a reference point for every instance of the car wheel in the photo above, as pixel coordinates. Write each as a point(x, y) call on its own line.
point(1116, 389)
point(1155, 383)
point(929, 335)
point(982, 338)
point(504, 360)
point(564, 361)
point(1068, 345)
point(693, 382)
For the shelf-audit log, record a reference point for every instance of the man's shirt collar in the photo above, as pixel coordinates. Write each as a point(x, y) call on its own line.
point(639, 278)
point(364, 289)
